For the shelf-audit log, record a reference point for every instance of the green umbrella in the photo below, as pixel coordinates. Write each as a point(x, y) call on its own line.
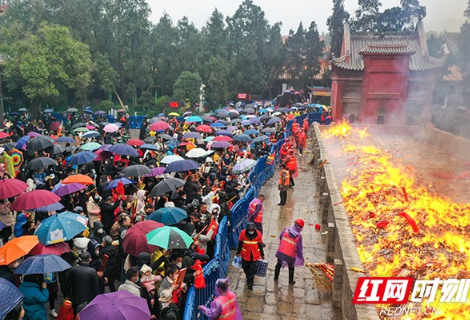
point(169, 238)
point(91, 146)
point(81, 129)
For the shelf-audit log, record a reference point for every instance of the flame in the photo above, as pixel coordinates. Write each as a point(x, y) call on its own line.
point(378, 188)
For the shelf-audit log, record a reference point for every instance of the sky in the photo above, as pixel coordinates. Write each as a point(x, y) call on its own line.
point(441, 14)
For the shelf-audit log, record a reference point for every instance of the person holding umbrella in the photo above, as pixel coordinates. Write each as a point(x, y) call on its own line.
point(36, 295)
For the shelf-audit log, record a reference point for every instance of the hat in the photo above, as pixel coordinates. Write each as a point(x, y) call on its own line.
point(250, 226)
point(300, 222)
point(145, 268)
point(165, 296)
point(209, 160)
point(169, 204)
point(78, 209)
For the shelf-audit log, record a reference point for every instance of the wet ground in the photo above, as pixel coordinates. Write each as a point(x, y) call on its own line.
point(275, 301)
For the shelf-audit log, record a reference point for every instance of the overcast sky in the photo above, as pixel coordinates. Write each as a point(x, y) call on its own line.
point(441, 14)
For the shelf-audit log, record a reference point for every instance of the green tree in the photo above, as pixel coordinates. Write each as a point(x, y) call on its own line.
point(215, 73)
point(274, 56)
point(187, 87)
point(436, 46)
point(214, 35)
point(335, 26)
point(41, 63)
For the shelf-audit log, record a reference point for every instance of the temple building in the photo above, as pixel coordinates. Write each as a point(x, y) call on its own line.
point(384, 79)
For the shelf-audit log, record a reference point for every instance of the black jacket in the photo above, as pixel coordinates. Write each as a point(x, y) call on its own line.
point(95, 235)
point(112, 267)
point(170, 313)
point(107, 213)
point(82, 284)
point(7, 274)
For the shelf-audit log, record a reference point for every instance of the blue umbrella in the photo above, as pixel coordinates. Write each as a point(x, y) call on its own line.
point(182, 165)
point(255, 121)
point(242, 137)
point(251, 131)
point(149, 147)
point(22, 141)
point(221, 144)
point(246, 123)
point(11, 297)
point(223, 133)
point(82, 158)
point(168, 216)
point(218, 125)
point(91, 134)
point(60, 227)
point(193, 119)
point(88, 111)
point(43, 263)
point(259, 139)
point(123, 150)
point(273, 120)
point(195, 135)
point(52, 207)
point(48, 110)
point(65, 140)
point(269, 130)
point(114, 183)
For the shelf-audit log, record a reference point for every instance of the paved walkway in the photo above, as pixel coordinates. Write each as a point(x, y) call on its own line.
point(304, 300)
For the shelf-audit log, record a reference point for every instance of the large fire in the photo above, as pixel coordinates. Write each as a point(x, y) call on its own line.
point(400, 227)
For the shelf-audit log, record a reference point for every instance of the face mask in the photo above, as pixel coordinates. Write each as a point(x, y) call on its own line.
point(251, 232)
point(97, 252)
point(179, 264)
point(100, 231)
point(97, 198)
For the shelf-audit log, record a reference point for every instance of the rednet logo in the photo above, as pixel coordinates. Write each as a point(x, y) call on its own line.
point(373, 290)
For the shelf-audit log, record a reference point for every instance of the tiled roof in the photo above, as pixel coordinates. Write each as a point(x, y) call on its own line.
point(387, 48)
point(454, 74)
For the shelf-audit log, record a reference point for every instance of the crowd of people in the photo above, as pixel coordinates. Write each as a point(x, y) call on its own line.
point(224, 145)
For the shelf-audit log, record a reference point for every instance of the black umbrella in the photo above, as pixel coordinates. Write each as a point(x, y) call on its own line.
point(39, 143)
point(136, 170)
point(165, 136)
point(9, 146)
point(78, 125)
point(57, 149)
point(207, 119)
point(40, 163)
point(149, 140)
point(249, 110)
point(166, 185)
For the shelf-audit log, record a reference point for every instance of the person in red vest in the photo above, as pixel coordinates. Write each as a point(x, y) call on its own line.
point(290, 251)
point(305, 125)
point(225, 305)
point(302, 142)
point(284, 150)
point(255, 212)
point(284, 182)
point(291, 163)
point(250, 245)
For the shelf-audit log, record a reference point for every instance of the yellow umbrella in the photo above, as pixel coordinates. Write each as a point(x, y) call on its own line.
point(176, 114)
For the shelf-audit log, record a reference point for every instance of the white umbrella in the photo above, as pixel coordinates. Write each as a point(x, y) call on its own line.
point(170, 159)
point(110, 128)
point(198, 153)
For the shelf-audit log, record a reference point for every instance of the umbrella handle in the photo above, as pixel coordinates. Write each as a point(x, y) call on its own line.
point(197, 235)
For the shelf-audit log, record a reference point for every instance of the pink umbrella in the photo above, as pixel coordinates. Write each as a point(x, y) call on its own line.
point(135, 240)
point(11, 188)
point(57, 249)
point(110, 128)
point(222, 138)
point(204, 128)
point(159, 126)
point(135, 142)
point(90, 127)
point(33, 200)
point(103, 155)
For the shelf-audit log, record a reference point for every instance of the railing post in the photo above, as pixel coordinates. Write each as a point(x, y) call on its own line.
point(331, 243)
point(337, 283)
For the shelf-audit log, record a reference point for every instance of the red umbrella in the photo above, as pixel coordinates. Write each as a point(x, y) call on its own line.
point(11, 188)
point(159, 126)
point(204, 128)
point(135, 240)
point(3, 135)
point(222, 138)
point(54, 126)
point(57, 249)
point(102, 155)
point(33, 200)
point(135, 142)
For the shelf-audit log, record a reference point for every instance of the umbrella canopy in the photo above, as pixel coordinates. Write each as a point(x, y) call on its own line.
point(221, 144)
point(82, 158)
point(195, 135)
point(169, 238)
point(159, 126)
point(168, 216)
point(34, 199)
point(60, 227)
point(242, 137)
point(204, 128)
point(218, 125)
point(259, 139)
point(103, 155)
point(269, 130)
point(135, 142)
point(22, 141)
point(68, 189)
point(148, 146)
point(79, 178)
point(222, 138)
point(72, 110)
point(115, 183)
point(135, 240)
point(81, 129)
point(11, 297)
point(273, 120)
point(223, 133)
point(17, 248)
point(52, 207)
point(100, 112)
point(196, 153)
point(57, 249)
point(244, 166)
point(112, 127)
point(249, 110)
point(209, 138)
point(193, 119)
point(65, 140)
point(105, 147)
point(149, 140)
point(90, 146)
point(156, 172)
point(10, 188)
point(174, 114)
point(56, 149)
point(165, 186)
point(91, 134)
point(48, 110)
point(123, 150)
point(182, 165)
point(136, 170)
point(255, 121)
point(165, 136)
point(119, 305)
point(78, 125)
point(170, 159)
point(44, 263)
point(251, 131)
point(246, 123)
point(39, 143)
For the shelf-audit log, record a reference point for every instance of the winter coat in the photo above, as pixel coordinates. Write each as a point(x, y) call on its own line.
point(93, 210)
point(170, 313)
point(107, 213)
point(34, 301)
point(82, 284)
point(112, 267)
point(7, 274)
point(95, 235)
point(130, 287)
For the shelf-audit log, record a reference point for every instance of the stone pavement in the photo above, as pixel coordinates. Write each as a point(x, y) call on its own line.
point(306, 299)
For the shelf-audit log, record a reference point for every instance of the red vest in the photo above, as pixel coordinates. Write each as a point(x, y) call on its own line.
point(213, 225)
point(291, 163)
point(286, 180)
point(229, 306)
point(250, 246)
point(288, 245)
point(252, 208)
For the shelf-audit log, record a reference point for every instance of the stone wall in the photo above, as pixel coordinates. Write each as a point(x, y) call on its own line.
point(341, 248)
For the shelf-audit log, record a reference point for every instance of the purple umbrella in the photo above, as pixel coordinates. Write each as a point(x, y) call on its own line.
point(195, 135)
point(223, 133)
point(156, 172)
point(182, 165)
point(255, 121)
point(68, 189)
point(221, 144)
point(123, 150)
point(231, 128)
point(100, 112)
point(246, 123)
point(65, 140)
point(105, 147)
point(114, 183)
point(119, 305)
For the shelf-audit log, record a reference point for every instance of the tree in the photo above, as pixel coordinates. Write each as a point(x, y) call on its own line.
point(215, 73)
point(188, 87)
point(274, 56)
point(335, 26)
point(214, 35)
point(436, 46)
point(42, 63)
